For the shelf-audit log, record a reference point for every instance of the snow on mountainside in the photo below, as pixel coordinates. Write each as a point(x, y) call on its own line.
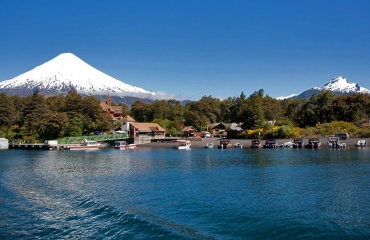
point(66, 72)
point(290, 96)
point(338, 86)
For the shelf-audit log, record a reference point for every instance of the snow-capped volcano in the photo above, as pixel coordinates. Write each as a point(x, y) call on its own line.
point(338, 86)
point(66, 72)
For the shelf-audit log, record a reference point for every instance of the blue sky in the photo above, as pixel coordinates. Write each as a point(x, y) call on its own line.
point(194, 48)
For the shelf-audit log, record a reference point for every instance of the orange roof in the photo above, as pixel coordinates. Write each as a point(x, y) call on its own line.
point(114, 109)
point(128, 118)
point(104, 105)
point(189, 128)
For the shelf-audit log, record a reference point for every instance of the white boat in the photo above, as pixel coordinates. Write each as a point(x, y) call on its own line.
point(224, 143)
point(287, 144)
point(361, 143)
point(313, 143)
point(183, 144)
point(124, 145)
point(298, 143)
point(256, 143)
point(238, 145)
point(209, 145)
point(85, 145)
point(333, 142)
point(270, 143)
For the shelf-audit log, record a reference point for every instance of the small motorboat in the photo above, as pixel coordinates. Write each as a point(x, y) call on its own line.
point(85, 145)
point(209, 145)
point(224, 143)
point(287, 145)
point(183, 144)
point(238, 145)
point(298, 143)
point(333, 142)
point(270, 143)
point(124, 145)
point(313, 143)
point(256, 143)
point(361, 143)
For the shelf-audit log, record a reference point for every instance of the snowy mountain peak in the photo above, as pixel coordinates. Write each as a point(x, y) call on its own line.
point(338, 85)
point(66, 72)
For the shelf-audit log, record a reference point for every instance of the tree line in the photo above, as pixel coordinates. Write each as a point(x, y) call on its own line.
point(37, 117)
point(257, 114)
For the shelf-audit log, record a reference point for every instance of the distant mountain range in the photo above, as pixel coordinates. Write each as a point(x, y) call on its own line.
point(68, 72)
point(338, 86)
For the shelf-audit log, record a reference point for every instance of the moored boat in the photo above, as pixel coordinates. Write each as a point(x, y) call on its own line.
point(270, 143)
point(298, 143)
point(313, 143)
point(209, 145)
point(333, 142)
point(238, 145)
point(224, 143)
point(124, 145)
point(183, 144)
point(361, 143)
point(85, 145)
point(287, 144)
point(256, 143)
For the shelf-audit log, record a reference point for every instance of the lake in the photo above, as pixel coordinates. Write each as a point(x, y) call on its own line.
point(185, 194)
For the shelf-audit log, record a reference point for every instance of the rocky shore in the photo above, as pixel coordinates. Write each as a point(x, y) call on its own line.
point(200, 143)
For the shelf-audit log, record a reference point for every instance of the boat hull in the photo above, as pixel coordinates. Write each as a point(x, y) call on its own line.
point(72, 148)
point(125, 147)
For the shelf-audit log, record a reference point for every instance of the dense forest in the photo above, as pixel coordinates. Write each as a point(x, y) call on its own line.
point(36, 117)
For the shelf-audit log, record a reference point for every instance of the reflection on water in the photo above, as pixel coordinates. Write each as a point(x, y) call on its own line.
point(201, 193)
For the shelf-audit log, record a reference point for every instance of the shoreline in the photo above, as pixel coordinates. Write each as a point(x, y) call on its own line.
point(196, 143)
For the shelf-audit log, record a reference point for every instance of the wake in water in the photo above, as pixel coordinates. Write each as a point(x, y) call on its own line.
point(58, 212)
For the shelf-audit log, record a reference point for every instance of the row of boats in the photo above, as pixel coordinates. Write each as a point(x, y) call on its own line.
point(333, 142)
point(94, 145)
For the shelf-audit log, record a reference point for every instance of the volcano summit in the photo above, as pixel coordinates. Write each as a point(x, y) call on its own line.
point(68, 72)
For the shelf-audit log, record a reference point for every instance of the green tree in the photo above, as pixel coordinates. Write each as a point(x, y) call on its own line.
point(7, 111)
point(73, 104)
point(141, 112)
point(252, 114)
point(272, 108)
point(324, 106)
point(53, 125)
point(75, 127)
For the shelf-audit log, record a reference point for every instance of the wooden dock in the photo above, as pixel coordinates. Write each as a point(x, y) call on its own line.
point(33, 146)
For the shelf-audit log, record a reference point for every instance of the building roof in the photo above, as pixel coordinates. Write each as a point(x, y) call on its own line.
point(224, 125)
point(189, 129)
point(128, 118)
point(112, 109)
point(148, 127)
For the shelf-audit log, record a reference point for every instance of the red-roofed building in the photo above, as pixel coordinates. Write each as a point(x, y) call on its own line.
point(142, 132)
point(116, 112)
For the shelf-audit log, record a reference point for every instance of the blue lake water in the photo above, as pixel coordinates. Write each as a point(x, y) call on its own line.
point(179, 194)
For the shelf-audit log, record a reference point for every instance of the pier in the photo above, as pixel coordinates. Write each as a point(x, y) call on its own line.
point(32, 146)
point(61, 144)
